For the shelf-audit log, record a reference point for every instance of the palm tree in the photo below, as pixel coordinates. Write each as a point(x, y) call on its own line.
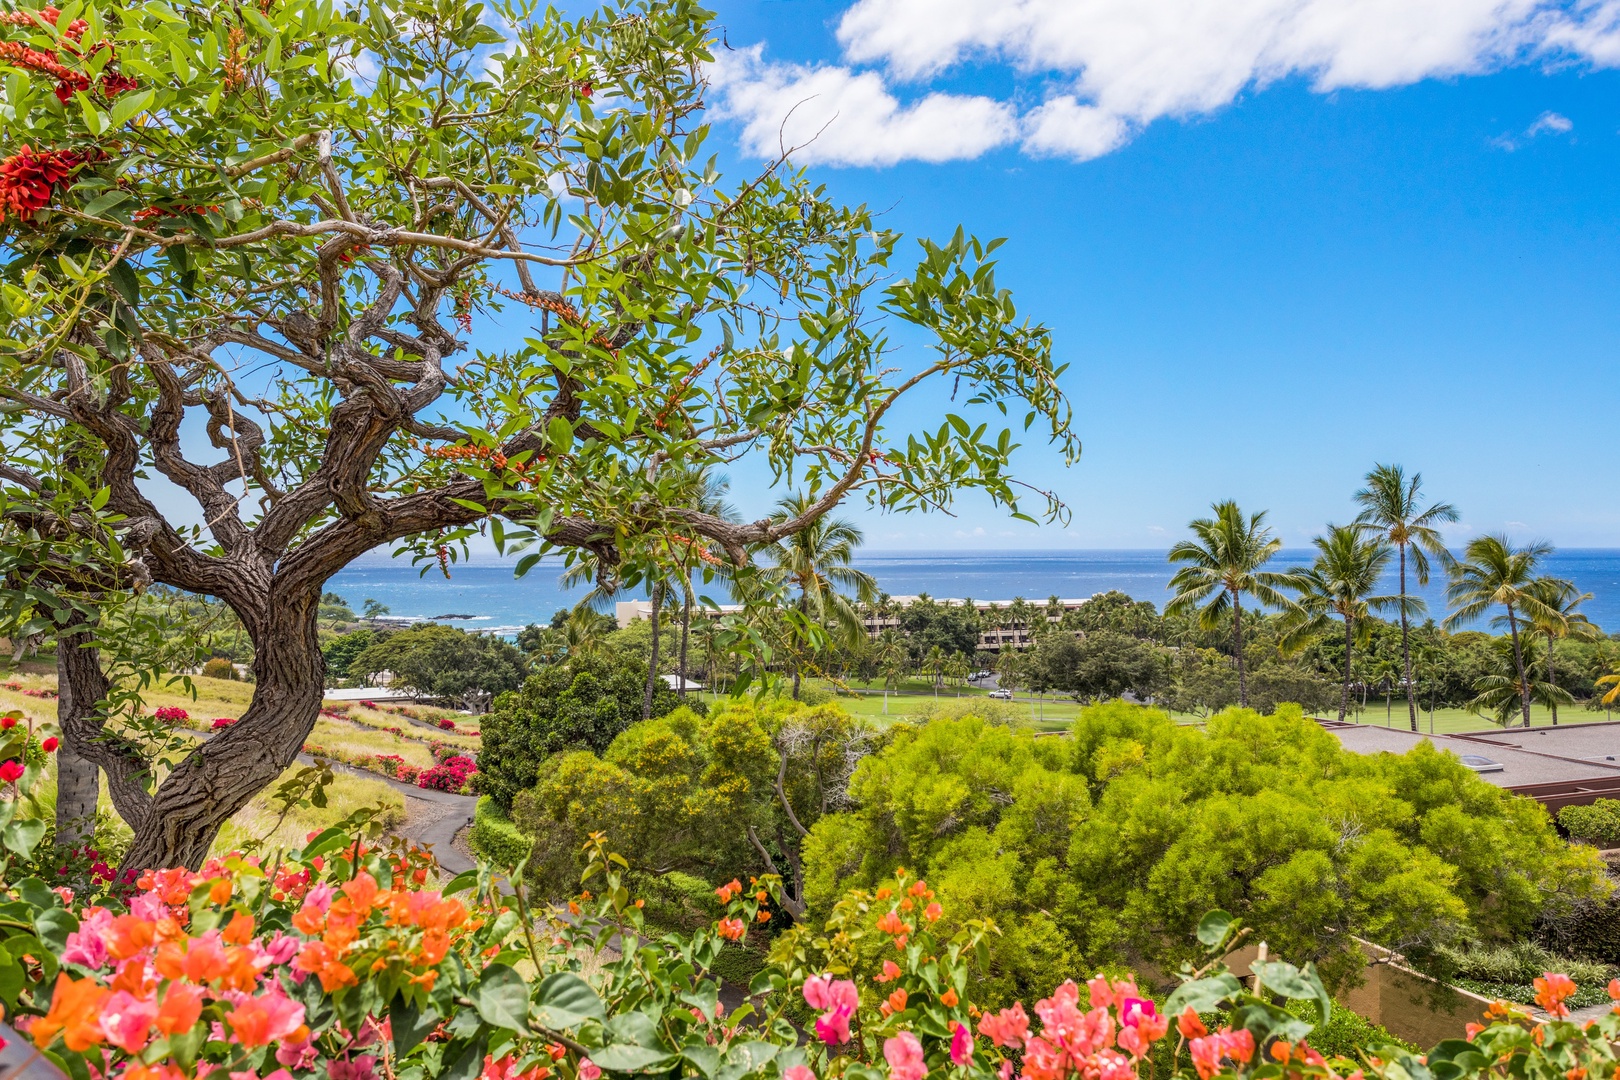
point(1504, 692)
point(934, 664)
point(1392, 506)
point(1494, 573)
point(817, 561)
point(1222, 566)
point(1561, 598)
point(892, 658)
point(1339, 585)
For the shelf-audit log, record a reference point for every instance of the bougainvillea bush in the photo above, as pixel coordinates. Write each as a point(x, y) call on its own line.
point(344, 960)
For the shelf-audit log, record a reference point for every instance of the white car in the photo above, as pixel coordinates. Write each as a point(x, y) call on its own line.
point(1001, 695)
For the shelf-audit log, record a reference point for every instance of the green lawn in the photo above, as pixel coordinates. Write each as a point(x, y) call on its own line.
point(1055, 711)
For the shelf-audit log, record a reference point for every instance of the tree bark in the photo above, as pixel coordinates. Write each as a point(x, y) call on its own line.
point(80, 685)
point(652, 661)
point(686, 630)
point(1518, 661)
point(1553, 702)
point(1237, 634)
point(87, 746)
point(1406, 648)
point(223, 774)
point(1344, 695)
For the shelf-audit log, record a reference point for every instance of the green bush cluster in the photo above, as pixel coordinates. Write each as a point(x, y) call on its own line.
point(1346, 1034)
point(1109, 846)
point(1597, 824)
point(496, 837)
point(219, 668)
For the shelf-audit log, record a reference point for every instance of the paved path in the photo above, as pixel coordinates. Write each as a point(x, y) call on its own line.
point(432, 818)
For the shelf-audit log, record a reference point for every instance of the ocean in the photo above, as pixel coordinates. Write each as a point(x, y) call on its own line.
point(495, 601)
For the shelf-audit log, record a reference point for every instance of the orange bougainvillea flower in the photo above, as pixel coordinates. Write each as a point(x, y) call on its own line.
point(318, 958)
point(891, 972)
point(74, 1014)
point(181, 1008)
point(435, 944)
point(239, 931)
point(731, 929)
point(949, 998)
point(1552, 990)
point(127, 935)
point(891, 923)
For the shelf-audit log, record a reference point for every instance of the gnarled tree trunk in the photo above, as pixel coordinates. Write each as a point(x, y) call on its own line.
point(223, 774)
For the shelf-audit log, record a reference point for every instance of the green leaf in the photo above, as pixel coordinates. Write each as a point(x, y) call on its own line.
point(129, 104)
point(467, 1064)
point(747, 1057)
point(467, 879)
point(23, 836)
point(1203, 995)
point(1213, 928)
point(54, 925)
point(409, 1024)
point(631, 1059)
point(706, 1059)
point(564, 1000)
point(1298, 984)
point(502, 998)
point(101, 204)
point(328, 841)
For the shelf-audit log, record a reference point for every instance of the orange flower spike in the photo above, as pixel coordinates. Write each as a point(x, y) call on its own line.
point(74, 1014)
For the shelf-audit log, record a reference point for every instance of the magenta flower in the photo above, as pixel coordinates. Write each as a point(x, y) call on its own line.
point(839, 998)
point(961, 1045)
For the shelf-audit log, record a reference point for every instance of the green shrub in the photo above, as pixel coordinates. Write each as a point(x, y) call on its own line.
point(676, 901)
point(1346, 1033)
point(219, 668)
point(1520, 962)
point(1590, 929)
point(1597, 824)
point(738, 964)
point(495, 837)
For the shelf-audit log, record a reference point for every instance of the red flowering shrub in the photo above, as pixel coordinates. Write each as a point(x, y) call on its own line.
point(452, 774)
point(447, 725)
point(170, 714)
point(221, 722)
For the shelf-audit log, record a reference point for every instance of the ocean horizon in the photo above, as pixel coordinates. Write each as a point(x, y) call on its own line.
point(484, 595)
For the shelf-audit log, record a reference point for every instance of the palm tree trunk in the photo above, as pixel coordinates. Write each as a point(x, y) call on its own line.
point(1406, 648)
point(1237, 635)
point(1553, 702)
point(804, 605)
point(686, 630)
point(1518, 662)
point(652, 662)
point(1344, 694)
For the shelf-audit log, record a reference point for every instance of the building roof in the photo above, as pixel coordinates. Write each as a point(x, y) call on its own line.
point(1536, 762)
point(1595, 742)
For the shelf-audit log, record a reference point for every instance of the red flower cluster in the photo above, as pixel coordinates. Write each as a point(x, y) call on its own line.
point(447, 725)
point(30, 177)
point(451, 775)
point(44, 61)
point(222, 722)
point(170, 714)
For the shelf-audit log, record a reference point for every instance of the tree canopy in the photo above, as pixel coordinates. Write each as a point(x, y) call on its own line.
point(295, 228)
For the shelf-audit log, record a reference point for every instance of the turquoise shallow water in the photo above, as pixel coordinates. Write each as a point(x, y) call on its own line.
point(490, 594)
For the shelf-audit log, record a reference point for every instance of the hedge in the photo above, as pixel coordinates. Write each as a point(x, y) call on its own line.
point(1597, 824)
point(495, 837)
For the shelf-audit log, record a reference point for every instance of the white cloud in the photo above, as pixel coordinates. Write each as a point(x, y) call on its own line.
point(837, 116)
point(1550, 122)
point(1097, 71)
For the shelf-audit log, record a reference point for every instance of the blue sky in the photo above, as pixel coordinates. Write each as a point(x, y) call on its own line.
point(1273, 250)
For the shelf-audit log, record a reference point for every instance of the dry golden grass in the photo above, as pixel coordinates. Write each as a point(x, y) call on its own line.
point(257, 820)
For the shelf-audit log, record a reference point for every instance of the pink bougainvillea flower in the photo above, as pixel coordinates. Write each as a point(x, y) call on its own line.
point(263, 1020)
point(838, 998)
point(1133, 1009)
point(588, 1070)
point(1009, 1027)
point(891, 972)
point(127, 1021)
point(297, 1054)
point(905, 1057)
point(799, 1072)
point(363, 1067)
point(1005, 1072)
point(961, 1045)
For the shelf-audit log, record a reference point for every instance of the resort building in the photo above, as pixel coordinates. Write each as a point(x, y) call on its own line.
point(998, 631)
